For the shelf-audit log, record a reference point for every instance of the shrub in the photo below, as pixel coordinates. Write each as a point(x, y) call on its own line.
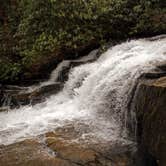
point(33, 29)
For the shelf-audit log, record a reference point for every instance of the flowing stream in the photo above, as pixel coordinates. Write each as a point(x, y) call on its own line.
point(94, 99)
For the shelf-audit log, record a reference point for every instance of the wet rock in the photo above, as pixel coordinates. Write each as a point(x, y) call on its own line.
point(150, 107)
point(159, 37)
point(29, 153)
point(60, 148)
point(17, 96)
point(162, 66)
point(68, 144)
point(71, 151)
point(47, 90)
point(154, 74)
point(159, 71)
point(38, 95)
point(3, 109)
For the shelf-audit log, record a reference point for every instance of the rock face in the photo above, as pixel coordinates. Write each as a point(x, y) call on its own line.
point(14, 96)
point(150, 107)
point(60, 148)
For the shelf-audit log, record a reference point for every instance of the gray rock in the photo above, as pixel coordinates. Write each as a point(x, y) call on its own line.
point(150, 108)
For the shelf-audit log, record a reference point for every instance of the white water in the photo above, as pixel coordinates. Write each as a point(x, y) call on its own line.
point(94, 99)
point(64, 64)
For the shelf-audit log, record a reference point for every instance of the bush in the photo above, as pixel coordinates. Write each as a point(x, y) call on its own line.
point(35, 29)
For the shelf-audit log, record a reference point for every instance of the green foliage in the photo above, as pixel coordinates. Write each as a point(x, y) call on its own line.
point(43, 45)
point(37, 28)
point(9, 71)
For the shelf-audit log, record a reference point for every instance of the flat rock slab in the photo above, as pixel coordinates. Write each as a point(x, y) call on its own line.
point(60, 148)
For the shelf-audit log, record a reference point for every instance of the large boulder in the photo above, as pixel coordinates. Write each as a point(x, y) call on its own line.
point(150, 108)
point(63, 148)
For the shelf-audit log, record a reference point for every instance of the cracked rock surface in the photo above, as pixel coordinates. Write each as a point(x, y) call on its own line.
point(62, 148)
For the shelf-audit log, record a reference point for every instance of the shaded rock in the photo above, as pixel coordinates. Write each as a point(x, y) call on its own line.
point(159, 71)
point(22, 96)
point(162, 66)
point(14, 87)
point(150, 108)
point(47, 90)
point(153, 75)
point(38, 95)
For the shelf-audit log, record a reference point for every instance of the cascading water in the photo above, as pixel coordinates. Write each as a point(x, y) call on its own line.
point(94, 99)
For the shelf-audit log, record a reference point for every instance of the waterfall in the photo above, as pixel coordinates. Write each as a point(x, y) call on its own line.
point(94, 99)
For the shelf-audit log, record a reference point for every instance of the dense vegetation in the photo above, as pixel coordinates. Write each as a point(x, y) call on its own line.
point(34, 33)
